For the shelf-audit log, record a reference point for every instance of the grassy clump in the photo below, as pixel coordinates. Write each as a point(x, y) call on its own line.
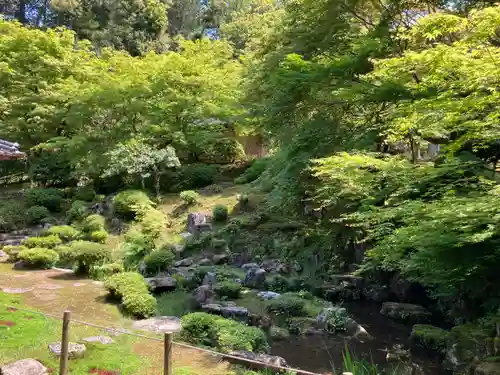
point(189, 197)
point(157, 261)
point(65, 232)
point(228, 289)
point(46, 197)
point(36, 214)
point(48, 242)
point(89, 254)
point(38, 257)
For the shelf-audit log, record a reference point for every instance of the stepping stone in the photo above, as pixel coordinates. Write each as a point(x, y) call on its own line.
point(24, 366)
point(49, 286)
point(117, 331)
point(160, 324)
point(79, 284)
point(16, 290)
point(45, 296)
point(7, 323)
point(74, 350)
point(106, 340)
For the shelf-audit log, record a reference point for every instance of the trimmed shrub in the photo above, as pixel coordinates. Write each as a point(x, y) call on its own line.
point(45, 242)
point(124, 283)
point(287, 306)
point(66, 255)
point(106, 270)
point(93, 223)
point(158, 261)
point(220, 213)
point(152, 223)
point(77, 212)
point(11, 217)
point(90, 254)
point(85, 193)
point(64, 232)
point(192, 176)
point(228, 289)
point(127, 204)
point(140, 305)
point(50, 198)
point(36, 214)
point(189, 197)
point(38, 257)
point(13, 251)
point(99, 236)
point(224, 334)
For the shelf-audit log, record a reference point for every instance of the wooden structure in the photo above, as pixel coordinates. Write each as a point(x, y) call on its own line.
point(10, 151)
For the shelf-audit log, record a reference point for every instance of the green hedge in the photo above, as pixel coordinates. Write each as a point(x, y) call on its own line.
point(287, 306)
point(38, 257)
point(224, 334)
point(77, 212)
point(127, 204)
point(157, 261)
point(49, 198)
point(65, 232)
point(93, 223)
point(220, 213)
point(44, 242)
point(228, 289)
point(189, 197)
point(36, 214)
point(132, 290)
point(89, 254)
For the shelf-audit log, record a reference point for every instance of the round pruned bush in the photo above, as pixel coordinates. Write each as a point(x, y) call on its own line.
point(36, 214)
point(66, 255)
point(38, 257)
point(77, 212)
point(152, 222)
point(127, 204)
point(106, 270)
point(120, 284)
point(189, 197)
point(220, 213)
point(90, 254)
point(99, 236)
point(64, 232)
point(192, 176)
point(157, 261)
point(47, 197)
point(228, 289)
point(11, 217)
point(139, 305)
point(224, 334)
point(93, 223)
point(85, 193)
point(48, 242)
point(287, 306)
point(13, 251)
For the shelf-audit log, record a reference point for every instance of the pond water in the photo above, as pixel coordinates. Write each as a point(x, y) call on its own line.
point(322, 353)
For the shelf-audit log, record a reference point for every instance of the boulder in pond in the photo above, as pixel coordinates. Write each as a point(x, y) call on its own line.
point(186, 262)
point(428, 337)
point(255, 278)
point(24, 367)
point(343, 292)
point(377, 293)
point(268, 295)
point(74, 350)
point(105, 340)
point(203, 295)
point(159, 324)
point(405, 312)
point(229, 311)
point(161, 284)
point(198, 223)
point(259, 357)
point(356, 281)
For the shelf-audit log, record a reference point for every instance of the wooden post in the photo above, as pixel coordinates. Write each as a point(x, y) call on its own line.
point(167, 358)
point(63, 368)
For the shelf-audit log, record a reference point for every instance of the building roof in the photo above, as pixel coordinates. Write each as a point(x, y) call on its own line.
point(9, 151)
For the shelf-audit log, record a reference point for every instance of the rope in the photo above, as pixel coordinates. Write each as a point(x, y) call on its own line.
point(181, 344)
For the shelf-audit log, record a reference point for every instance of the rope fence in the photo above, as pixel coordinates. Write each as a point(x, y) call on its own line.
point(167, 341)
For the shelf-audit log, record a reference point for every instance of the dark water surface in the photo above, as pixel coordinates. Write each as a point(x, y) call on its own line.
point(322, 353)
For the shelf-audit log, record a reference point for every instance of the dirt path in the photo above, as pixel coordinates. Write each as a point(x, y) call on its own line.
point(53, 291)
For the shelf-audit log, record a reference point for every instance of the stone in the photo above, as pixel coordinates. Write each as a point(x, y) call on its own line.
point(255, 278)
point(105, 340)
point(357, 331)
point(274, 265)
point(343, 292)
point(117, 331)
point(186, 262)
point(16, 290)
point(221, 258)
point(212, 308)
point(398, 354)
point(227, 311)
point(428, 337)
point(161, 284)
point(3, 254)
point(74, 350)
point(20, 265)
point(487, 368)
point(350, 279)
point(405, 312)
point(203, 295)
point(24, 367)
point(186, 235)
point(49, 286)
point(159, 324)
point(210, 279)
point(268, 295)
point(198, 223)
point(248, 266)
point(377, 293)
point(259, 357)
point(204, 262)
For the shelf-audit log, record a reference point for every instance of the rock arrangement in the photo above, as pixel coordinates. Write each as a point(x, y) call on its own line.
point(160, 324)
point(24, 367)
point(74, 350)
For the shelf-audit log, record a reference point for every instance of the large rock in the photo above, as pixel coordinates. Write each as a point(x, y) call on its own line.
point(249, 266)
point(377, 293)
point(161, 284)
point(186, 262)
point(203, 295)
point(336, 319)
point(74, 350)
point(259, 357)
point(268, 295)
point(255, 278)
point(350, 279)
point(24, 367)
point(274, 265)
point(105, 340)
point(230, 312)
point(343, 292)
point(210, 278)
point(221, 258)
point(159, 324)
point(430, 338)
point(198, 223)
point(487, 368)
point(405, 312)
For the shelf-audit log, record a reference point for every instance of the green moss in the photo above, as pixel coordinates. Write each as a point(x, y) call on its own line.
point(469, 340)
point(429, 337)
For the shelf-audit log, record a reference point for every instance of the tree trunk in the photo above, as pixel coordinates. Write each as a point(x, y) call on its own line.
point(143, 183)
point(157, 184)
point(21, 12)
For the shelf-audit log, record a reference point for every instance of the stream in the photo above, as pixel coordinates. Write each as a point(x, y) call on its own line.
point(322, 353)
